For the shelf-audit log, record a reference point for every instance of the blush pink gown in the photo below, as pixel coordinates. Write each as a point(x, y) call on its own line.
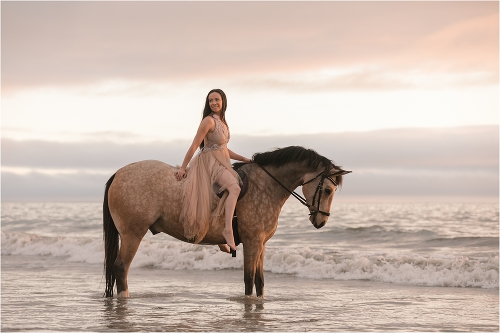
point(209, 172)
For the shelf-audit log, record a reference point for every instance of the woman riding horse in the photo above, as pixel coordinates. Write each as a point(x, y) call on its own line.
point(210, 168)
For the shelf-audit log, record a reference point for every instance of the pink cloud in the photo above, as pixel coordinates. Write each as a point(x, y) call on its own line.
point(60, 43)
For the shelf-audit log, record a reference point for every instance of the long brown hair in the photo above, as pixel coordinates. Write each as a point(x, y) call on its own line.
point(207, 110)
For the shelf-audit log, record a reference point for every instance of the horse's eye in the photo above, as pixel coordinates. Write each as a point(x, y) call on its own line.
point(328, 191)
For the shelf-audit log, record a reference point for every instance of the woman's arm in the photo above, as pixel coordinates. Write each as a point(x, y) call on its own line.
point(205, 126)
point(237, 157)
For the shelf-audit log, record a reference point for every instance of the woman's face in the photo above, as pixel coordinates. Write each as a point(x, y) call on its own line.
point(215, 102)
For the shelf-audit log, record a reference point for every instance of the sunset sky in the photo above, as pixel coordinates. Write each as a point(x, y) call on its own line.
point(135, 74)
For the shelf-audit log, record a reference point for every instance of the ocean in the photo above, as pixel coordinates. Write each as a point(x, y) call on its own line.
point(375, 266)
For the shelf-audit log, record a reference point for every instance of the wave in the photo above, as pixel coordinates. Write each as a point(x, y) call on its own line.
point(378, 236)
point(79, 249)
point(414, 269)
point(491, 242)
point(394, 268)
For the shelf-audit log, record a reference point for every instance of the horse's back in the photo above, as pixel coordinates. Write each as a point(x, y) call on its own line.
point(141, 191)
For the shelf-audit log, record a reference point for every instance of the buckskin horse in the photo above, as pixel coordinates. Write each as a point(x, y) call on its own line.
point(146, 196)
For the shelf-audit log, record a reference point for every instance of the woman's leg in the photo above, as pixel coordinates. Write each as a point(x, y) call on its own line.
point(224, 248)
point(232, 198)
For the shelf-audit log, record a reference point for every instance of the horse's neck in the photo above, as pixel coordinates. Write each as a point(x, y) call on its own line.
point(297, 174)
point(290, 176)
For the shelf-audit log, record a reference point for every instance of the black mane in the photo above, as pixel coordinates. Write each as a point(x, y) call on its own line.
point(292, 154)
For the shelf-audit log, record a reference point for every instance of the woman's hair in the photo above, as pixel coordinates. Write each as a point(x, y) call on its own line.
point(207, 110)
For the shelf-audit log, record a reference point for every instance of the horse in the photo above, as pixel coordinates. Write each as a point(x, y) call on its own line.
point(146, 196)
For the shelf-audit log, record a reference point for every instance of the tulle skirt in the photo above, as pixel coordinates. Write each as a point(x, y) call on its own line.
point(209, 173)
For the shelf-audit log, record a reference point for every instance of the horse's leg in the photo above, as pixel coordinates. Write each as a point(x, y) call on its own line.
point(128, 249)
point(259, 274)
point(252, 253)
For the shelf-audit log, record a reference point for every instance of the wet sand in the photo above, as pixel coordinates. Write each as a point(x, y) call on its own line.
point(68, 297)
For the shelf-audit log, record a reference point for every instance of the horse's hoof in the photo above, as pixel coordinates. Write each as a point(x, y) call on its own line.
point(233, 253)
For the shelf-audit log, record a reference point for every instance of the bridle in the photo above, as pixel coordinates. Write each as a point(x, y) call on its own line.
point(324, 175)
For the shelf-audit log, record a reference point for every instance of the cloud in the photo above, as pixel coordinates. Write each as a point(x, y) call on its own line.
point(421, 185)
point(460, 161)
point(42, 187)
point(460, 148)
point(468, 42)
point(60, 43)
point(90, 187)
point(378, 78)
point(85, 155)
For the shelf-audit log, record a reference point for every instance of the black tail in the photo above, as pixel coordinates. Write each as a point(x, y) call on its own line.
point(111, 241)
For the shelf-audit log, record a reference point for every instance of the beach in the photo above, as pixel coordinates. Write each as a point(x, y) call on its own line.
point(402, 95)
point(69, 298)
point(376, 267)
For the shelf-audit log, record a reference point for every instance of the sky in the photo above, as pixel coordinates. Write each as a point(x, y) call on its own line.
point(402, 93)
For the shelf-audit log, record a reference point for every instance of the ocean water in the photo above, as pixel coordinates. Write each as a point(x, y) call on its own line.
point(374, 266)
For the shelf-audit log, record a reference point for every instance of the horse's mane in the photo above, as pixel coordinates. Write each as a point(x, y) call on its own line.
point(293, 154)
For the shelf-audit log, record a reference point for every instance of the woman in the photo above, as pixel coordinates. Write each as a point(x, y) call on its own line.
point(210, 171)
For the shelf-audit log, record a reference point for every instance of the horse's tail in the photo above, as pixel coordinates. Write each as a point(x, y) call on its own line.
point(111, 241)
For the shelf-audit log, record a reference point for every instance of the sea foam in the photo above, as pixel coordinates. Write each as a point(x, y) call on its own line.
point(394, 267)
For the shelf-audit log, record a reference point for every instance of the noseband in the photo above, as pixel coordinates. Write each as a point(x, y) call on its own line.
point(324, 175)
point(319, 189)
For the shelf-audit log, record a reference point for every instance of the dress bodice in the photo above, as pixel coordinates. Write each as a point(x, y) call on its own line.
point(218, 138)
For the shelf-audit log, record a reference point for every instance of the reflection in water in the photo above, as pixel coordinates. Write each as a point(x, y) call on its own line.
point(117, 313)
point(253, 314)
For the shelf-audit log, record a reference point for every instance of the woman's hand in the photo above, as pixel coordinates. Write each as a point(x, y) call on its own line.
point(234, 156)
point(180, 174)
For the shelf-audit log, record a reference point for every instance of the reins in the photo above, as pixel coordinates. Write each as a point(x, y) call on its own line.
point(319, 189)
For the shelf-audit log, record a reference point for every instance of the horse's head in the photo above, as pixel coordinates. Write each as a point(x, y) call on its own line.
point(319, 192)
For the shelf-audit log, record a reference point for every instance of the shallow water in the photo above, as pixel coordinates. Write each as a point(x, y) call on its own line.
point(68, 297)
point(374, 267)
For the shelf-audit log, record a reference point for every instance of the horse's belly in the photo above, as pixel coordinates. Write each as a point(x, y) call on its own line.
point(172, 228)
point(176, 230)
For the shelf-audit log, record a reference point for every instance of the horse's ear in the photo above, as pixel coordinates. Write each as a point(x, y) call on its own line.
point(342, 172)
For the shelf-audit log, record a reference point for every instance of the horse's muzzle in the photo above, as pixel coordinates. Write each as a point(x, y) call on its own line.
point(312, 218)
point(317, 226)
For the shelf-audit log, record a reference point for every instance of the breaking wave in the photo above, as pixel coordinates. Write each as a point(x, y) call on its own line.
point(392, 267)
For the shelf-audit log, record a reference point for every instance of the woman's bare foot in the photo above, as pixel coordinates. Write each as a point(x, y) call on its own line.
point(228, 236)
point(224, 248)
